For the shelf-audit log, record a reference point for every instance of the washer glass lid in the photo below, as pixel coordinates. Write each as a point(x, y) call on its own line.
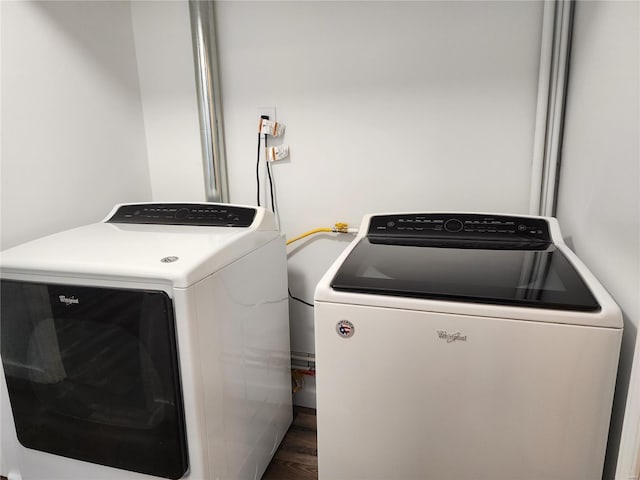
point(537, 275)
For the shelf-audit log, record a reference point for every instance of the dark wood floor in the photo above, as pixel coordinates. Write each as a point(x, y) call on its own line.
point(297, 457)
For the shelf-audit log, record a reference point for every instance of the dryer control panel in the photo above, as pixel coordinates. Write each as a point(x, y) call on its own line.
point(201, 214)
point(460, 226)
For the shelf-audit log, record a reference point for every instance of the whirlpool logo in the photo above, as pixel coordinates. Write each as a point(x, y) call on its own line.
point(451, 337)
point(68, 300)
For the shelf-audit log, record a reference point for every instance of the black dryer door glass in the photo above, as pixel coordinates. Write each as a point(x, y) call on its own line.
point(541, 277)
point(92, 374)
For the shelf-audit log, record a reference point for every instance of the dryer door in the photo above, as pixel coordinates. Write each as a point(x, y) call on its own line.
point(92, 374)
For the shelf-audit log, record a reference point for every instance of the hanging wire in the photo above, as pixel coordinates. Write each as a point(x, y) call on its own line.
point(258, 173)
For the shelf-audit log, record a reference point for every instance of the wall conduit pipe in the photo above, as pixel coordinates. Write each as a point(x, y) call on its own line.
point(209, 104)
point(552, 80)
point(542, 107)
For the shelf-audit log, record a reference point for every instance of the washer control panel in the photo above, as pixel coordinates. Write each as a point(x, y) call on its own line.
point(201, 214)
point(460, 226)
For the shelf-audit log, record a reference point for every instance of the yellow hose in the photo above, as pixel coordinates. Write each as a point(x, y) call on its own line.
point(310, 232)
point(339, 228)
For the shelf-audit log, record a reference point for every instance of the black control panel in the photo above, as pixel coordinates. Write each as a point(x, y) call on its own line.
point(460, 226)
point(202, 214)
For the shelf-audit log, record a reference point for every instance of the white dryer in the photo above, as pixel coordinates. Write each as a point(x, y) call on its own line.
point(457, 346)
point(154, 344)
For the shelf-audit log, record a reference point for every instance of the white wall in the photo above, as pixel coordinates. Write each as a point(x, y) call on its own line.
point(73, 140)
point(599, 199)
point(167, 81)
point(389, 106)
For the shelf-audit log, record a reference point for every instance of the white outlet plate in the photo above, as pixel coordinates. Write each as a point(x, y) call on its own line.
point(270, 111)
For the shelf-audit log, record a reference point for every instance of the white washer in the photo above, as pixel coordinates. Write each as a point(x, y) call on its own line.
point(457, 346)
point(154, 344)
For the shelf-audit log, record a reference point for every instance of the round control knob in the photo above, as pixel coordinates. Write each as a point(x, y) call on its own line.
point(182, 213)
point(453, 225)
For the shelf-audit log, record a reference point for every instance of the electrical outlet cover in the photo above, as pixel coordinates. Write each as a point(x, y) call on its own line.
point(269, 111)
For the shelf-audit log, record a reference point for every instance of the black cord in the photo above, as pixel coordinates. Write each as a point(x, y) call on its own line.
point(300, 300)
point(258, 172)
point(273, 202)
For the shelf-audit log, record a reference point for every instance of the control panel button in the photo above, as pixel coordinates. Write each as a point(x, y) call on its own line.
point(453, 225)
point(182, 213)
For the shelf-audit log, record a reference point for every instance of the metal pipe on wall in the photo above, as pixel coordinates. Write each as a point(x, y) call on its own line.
point(205, 56)
point(557, 104)
point(552, 81)
point(542, 108)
